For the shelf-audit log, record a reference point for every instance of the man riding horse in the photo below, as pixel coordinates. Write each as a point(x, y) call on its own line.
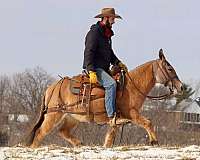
point(99, 55)
point(59, 105)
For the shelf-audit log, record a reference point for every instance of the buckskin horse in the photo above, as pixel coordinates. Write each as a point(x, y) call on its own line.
point(138, 83)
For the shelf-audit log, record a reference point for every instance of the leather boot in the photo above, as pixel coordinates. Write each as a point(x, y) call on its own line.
point(113, 121)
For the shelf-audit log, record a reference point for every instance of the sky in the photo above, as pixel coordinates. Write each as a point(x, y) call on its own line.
point(51, 34)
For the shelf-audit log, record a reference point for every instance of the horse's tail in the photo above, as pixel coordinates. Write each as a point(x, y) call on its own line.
point(29, 139)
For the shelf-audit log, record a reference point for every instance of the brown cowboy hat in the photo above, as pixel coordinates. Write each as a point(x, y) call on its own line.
point(108, 12)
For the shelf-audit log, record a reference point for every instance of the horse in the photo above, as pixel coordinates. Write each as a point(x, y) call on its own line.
point(138, 83)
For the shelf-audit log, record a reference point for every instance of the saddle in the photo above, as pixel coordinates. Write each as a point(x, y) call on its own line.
point(80, 86)
point(78, 83)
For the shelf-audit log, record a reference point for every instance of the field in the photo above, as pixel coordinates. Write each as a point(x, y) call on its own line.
point(54, 152)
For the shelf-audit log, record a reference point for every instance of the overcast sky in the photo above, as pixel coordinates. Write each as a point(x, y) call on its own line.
point(51, 33)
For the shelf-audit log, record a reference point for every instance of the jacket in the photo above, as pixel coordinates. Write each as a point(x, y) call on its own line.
point(98, 51)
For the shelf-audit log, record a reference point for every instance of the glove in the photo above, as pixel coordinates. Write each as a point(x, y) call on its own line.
point(123, 66)
point(93, 77)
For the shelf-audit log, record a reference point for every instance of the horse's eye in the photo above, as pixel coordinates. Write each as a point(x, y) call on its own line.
point(170, 69)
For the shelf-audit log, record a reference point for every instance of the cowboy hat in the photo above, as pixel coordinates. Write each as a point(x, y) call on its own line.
point(108, 12)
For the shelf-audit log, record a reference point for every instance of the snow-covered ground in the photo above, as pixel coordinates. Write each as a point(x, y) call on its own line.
point(87, 153)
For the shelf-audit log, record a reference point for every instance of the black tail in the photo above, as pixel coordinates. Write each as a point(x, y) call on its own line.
point(29, 139)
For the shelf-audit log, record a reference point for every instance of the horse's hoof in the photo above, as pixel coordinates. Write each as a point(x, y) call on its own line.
point(33, 146)
point(107, 146)
point(153, 143)
point(78, 145)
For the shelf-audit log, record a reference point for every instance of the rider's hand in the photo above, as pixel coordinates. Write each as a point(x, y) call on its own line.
point(123, 66)
point(93, 77)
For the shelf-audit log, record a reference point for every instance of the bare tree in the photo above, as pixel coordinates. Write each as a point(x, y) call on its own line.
point(4, 88)
point(28, 87)
point(23, 99)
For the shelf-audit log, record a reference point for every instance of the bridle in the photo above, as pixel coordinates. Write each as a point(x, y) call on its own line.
point(167, 76)
point(168, 79)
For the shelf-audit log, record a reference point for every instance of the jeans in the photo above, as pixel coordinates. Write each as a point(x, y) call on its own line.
point(110, 86)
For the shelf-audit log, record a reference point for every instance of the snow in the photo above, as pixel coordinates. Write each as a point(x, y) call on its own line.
point(94, 152)
point(22, 118)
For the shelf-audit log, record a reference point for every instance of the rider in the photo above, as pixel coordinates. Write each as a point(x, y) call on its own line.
point(98, 56)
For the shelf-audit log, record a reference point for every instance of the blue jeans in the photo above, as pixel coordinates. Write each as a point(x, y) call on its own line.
point(110, 86)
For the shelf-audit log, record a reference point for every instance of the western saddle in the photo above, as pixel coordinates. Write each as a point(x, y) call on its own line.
point(80, 85)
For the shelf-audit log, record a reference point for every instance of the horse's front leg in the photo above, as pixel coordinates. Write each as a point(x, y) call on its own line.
point(110, 136)
point(146, 124)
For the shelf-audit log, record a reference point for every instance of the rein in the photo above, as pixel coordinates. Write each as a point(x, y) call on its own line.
point(161, 97)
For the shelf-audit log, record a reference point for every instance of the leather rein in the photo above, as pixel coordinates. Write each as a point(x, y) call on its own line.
point(161, 97)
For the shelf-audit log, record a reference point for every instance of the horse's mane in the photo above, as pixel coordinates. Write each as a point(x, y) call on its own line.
point(141, 68)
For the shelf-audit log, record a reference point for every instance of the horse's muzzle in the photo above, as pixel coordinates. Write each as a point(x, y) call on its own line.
point(178, 86)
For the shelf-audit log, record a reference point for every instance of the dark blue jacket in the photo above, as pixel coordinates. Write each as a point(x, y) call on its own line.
point(98, 50)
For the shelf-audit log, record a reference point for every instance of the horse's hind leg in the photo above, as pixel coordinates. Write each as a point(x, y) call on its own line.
point(146, 124)
point(50, 121)
point(64, 131)
point(110, 136)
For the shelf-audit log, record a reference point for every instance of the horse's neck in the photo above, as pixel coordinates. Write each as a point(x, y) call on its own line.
point(143, 78)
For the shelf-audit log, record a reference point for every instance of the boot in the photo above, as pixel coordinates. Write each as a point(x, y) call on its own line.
point(113, 121)
point(120, 121)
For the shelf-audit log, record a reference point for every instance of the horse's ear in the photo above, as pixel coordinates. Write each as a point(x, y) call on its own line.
point(161, 54)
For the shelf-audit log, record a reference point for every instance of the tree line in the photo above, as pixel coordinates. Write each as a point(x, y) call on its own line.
point(21, 93)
